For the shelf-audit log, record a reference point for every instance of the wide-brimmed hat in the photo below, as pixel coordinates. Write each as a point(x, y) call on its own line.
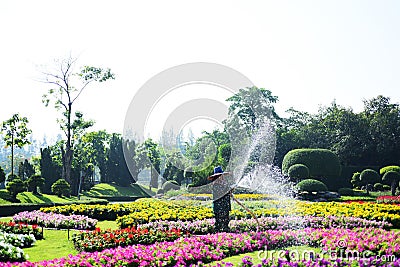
point(218, 171)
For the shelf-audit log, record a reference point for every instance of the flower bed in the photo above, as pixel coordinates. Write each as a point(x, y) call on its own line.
point(208, 248)
point(53, 220)
point(388, 199)
point(21, 228)
point(17, 240)
point(98, 240)
point(147, 210)
point(267, 223)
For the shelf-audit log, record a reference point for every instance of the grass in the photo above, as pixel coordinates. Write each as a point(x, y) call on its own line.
point(104, 225)
point(112, 190)
point(55, 245)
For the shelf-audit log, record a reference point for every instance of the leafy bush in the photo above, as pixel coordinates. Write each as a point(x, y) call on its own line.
point(392, 177)
point(386, 187)
point(160, 191)
point(355, 180)
point(322, 164)
point(168, 185)
point(378, 187)
point(298, 172)
point(386, 169)
point(34, 182)
point(61, 187)
point(15, 186)
point(12, 177)
point(2, 175)
point(346, 191)
point(311, 185)
point(368, 177)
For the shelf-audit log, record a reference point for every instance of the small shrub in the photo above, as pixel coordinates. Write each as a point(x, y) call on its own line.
point(368, 177)
point(34, 182)
point(298, 172)
point(386, 187)
point(392, 178)
point(168, 185)
point(346, 191)
point(61, 188)
point(355, 180)
point(15, 186)
point(160, 191)
point(378, 187)
point(311, 185)
point(12, 177)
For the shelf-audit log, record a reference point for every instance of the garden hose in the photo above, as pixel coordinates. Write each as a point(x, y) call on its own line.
point(248, 210)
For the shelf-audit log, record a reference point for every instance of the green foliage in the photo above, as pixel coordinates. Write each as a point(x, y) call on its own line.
point(311, 185)
point(12, 177)
point(298, 172)
point(368, 177)
point(160, 191)
point(378, 187)
point(386, 169)
point(168, 185)
point(224, 154)
point(25, 170)
point(34, 182)
point(322, 163)
point(61, 188)
point(346, 191)
point(2, 175)
point(392, 177)
point(15, 186)
point(50, 168)
point(386, 187)
point(355, 180)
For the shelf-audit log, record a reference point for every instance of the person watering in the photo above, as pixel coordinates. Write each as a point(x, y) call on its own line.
point(221, 191)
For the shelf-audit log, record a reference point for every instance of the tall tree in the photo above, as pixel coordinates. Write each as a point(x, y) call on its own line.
point(151, 150)
point(69, 85)
point(15, 132)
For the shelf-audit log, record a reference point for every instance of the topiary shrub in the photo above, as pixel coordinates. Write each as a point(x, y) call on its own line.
point(386, 169)
point(160, 191)
point(322, 164)
point(393, 178)
point(387, 188)
point(61, 188)
point(346, 191)
point(168, 185)
point(311, 185)
point(369, 177)
point(355, 180)
point(34, 182)
point(298, 172)
point(12, 177)
point(378, 187)
point(14, 187)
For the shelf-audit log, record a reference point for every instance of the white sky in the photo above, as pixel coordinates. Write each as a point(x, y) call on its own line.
point(308, 53)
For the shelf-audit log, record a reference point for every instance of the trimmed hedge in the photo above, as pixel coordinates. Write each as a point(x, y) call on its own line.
point(346, 191)
point(298, 172)
point(311, 185)
point(386, 169)
point(323, 164)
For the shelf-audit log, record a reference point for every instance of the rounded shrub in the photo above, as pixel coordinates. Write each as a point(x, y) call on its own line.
point(386, 187)
point(168, 185)
point(369, 176)
point(346, 191)
point(386, 169)
point(298, 172)
point(392, 178)
point(355, 180)
point(311, 185)
point(378, 187)
point(322, 164)
point(61, 188)
point(15, 186)
point(160, 191)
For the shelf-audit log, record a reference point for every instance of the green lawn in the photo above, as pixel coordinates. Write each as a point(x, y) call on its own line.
point(55, 245)
point(112, 190)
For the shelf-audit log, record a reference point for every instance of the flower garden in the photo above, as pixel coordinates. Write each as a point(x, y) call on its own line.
point(181, 233)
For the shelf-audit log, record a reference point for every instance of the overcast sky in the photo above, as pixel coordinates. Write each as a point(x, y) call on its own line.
point(308, 53)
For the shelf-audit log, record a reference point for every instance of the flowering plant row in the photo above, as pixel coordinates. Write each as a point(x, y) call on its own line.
point(248, 262)
point(266, 223)
point(21, 228)
point(17, 240)
point(142, 210)
point(388, 199)
point(98, 240)
point(237, 196)
point(8, 252)
point(147, 210)
point(208, 248)
point(53, 220)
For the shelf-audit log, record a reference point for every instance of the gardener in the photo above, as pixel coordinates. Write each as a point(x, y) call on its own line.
point(221, 199)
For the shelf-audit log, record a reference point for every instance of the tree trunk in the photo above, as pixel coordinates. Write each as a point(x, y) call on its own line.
point(393, 186)
point(12, 155)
